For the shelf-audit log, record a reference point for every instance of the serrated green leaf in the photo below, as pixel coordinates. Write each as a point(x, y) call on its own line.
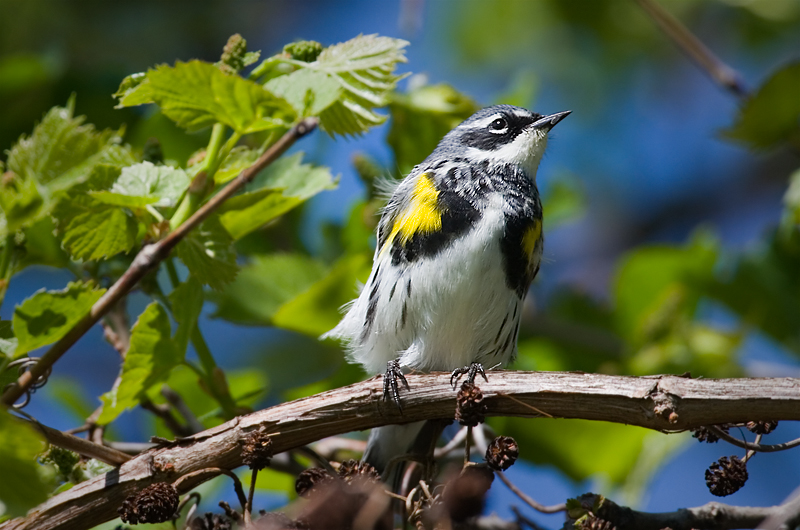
point(362, 68)
point(60, 154)
point(209, 255)
point(48, 315)
point(771, 116)
point(309, 92)
point(282, 186)
point(8, 342)
point(187, 304)
point(19, 445)
point(239, 159)
point(151, 356)
point(421, 118)
point(264, 284)
point(195, 95)
point(317, 309)
point(100, 233)
point(143, 184)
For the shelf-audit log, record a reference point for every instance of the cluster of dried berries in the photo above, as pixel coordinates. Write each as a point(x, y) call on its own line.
point(703, 434)
point(156, 503)
point(592, 522)
point(211, 521)
point(726, 476)
point(501, 453)
point(350, 472)
point(257, 450)
point(470, 408)
point(465, 495)
point(761, 427)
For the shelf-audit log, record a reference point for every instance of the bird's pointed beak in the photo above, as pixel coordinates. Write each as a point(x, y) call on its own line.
point(549, 121)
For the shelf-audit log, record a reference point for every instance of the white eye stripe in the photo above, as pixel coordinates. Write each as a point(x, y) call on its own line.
point(484, 123)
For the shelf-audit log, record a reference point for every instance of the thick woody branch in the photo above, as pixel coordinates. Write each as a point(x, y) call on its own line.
point(663, 403)
point(148, 258)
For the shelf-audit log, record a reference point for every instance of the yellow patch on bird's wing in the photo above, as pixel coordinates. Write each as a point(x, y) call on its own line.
point(531, 238)
point(422, 215)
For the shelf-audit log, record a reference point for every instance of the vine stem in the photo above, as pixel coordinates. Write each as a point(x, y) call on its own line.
point(149, 257)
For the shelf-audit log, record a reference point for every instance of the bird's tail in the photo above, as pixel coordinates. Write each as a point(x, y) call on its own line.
point(391, 441)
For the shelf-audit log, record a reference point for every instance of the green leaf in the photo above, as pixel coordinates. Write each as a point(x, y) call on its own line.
point(19, 445)
point(195, 95)
point(362, 68)
point(264, 284)
point(48, 315)
point(8, 342)
point(282, 186)
point(151, 356)
point(771, 116)
point(209, 255)
point(564, 202)
point(187, 304)
point(308, 91)
point(317, 310)
point(657, 284)
point(239, 159)
point(59, 154)
point(100, 232)
point(421, 118)
point(143, 184)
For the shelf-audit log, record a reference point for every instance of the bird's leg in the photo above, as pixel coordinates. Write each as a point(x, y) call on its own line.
point(472, 370)
point(390, 386)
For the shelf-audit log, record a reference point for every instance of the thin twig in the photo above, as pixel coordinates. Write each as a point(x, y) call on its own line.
point(527, 500)
point(237, 484)
point(524, 520)
point(467, 440)
point(248, 519)
point(149, 257)
point(720, 72)
point(313, 455)
point(192, 423)
point(759, 448)
point(165, 413)
point(82, 447)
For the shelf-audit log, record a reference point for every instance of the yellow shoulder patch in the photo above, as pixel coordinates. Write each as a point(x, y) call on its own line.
point(531, 238)
point(422, 215)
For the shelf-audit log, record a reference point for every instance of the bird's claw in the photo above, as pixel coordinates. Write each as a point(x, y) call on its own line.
point(471, 371)
point(390, 387)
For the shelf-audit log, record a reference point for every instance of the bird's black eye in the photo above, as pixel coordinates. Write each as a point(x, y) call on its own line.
point(498, 125)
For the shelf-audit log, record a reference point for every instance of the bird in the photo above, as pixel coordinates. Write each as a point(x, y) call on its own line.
point(458, 244)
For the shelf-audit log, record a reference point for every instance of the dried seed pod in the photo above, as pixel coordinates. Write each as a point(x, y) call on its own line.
point(591, 522)
point(257, 450)
point(470, 408)
point(354, 470)
point(311, 479)
point(726, 476)
point(156, 503)
point(211, 521)
point(761, 427)
point(502, 453)
point(703, 434)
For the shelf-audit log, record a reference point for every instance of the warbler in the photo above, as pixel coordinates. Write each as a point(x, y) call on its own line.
point(459, 243)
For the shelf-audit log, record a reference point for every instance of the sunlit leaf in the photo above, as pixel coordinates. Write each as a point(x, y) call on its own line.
point(209, 255)
point(143, 184)
point(196, 95)
point(363, 68)
point(239, 159)
point(100, 232)
point(187, 304)
point(151, 356)
point(48, 315)
point(8, 342)
point(280, 187)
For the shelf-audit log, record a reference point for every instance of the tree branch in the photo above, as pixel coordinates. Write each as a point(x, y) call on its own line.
point(721, 73)
point(663, 403)
point(149, 257)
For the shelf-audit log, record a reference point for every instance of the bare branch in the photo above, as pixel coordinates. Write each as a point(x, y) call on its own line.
point(663, 403)
point(527, 500)
point(149, 257)
point(721, 73)
point(757, 447)
point(82, 447)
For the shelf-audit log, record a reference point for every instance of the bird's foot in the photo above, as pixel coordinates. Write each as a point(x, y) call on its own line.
point(391, 389)
point(471, 371)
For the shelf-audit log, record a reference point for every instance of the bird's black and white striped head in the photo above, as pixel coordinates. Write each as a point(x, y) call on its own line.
point(502, 134)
